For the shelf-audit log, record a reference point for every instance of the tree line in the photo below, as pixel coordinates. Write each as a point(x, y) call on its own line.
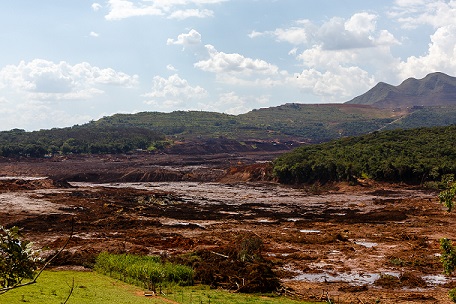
point(76, 139)
point(413, 156)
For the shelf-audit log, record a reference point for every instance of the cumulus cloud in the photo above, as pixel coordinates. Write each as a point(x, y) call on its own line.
point(96, 6)
point(413, 13)
point(173, 91)
point(94, 34)
point(174, 9)
point(170, 67)
point(233, 103)
point(336, 55)
point(193, 38)
point(35, 115)
point(359, 31)
point(234, 63)
point(121, 9)
point(441, 55)
point(334, 85)
point(41, 79)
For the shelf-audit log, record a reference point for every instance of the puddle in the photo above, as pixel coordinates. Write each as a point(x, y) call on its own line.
point(438, 279)
point(366, 244)
point(309, 231)
point(293, 219)
point(266, 221)
point(351, 278)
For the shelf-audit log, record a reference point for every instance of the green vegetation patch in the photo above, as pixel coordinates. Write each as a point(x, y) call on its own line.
point(415, 156)
point(78, 139)
point(143, 271)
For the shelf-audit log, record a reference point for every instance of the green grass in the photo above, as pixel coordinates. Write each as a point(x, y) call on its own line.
point(91, 287)
point(202, 294)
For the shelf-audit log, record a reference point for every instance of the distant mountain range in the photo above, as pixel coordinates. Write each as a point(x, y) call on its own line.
point(436, 89)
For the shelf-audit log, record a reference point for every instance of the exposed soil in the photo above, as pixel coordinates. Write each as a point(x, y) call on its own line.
point(357, 244)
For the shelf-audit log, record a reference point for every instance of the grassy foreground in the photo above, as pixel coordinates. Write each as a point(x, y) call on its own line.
point(90, 287)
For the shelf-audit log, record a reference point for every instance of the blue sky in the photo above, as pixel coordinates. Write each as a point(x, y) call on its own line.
point(69, 62)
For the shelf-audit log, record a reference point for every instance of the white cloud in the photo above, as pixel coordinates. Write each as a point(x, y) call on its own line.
point(171, 68)
point(174, 9)
point(96, 6)
point(412, 13)
point(41, 79)
point(232, 103)
point(173, 91)
point(441, 55)
point(35, 115)
point(359, 31)
point(334, 85)
point(94, 34)
point(193, 38)
point(220, 62)
point(300, 34)
point(189, 13)
point(121, 9)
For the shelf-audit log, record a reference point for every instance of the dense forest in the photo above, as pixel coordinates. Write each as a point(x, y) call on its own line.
point(414, 156)
point(77, 139)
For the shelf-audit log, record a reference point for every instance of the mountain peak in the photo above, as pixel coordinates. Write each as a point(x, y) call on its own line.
point(436, 89)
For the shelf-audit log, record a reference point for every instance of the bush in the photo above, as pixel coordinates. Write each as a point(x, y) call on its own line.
point(448, 257)
point(144, 271)
point(17, 259)
point(452, 294)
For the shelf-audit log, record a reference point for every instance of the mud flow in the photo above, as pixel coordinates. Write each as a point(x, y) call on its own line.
point(358, 244)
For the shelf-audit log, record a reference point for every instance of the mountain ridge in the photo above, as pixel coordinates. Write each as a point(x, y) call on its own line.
point(435, 89)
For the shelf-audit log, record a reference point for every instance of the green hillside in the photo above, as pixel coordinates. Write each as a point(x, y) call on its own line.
point(414, 156)
point(77, 139)
point(302, 122)
point(425, 117)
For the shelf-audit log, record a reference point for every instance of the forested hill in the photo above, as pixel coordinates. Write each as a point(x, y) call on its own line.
point(415, 156)
point(268, 129)
point(77, 139)
point(307, 123)
point(312, 123)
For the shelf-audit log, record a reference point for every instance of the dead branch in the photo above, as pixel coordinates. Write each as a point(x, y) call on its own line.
point(71, 292)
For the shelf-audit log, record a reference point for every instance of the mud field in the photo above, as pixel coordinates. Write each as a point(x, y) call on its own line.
point(360, 244)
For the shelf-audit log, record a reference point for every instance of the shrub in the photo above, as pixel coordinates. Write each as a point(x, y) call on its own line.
point(146, 271)
point(452, 294)
point(17, 259)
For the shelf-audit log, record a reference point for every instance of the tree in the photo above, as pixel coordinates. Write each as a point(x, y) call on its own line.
point(18, 260)
point(448, 257)
point(447, 196)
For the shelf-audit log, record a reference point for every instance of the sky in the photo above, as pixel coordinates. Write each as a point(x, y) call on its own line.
point(69, 62)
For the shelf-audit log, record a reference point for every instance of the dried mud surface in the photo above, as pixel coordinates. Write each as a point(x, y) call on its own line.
point(359, 244)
